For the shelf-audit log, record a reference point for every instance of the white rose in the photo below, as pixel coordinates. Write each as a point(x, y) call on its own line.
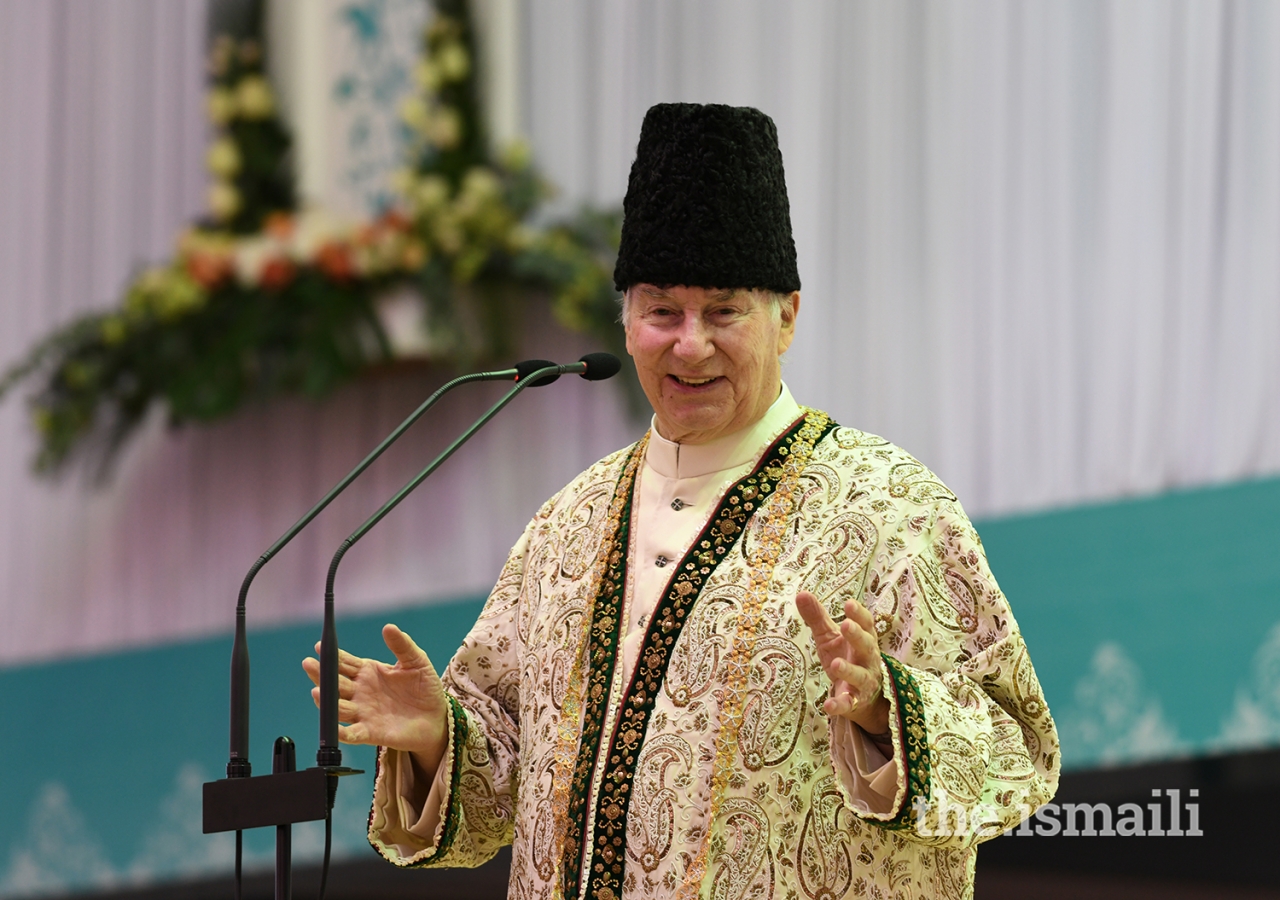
point(402, 180)
point(254, 98)
point(221, 106)
point(520, 238)
point(444, 128)
point(251, 257)
point(432, 193)
point(223, 158)
point(314, 229)
point(516, 155)
point(224, 200)
point(427, 75)
point(453, 61)
point(481, 182)
point(448, 232)
point(414, 113)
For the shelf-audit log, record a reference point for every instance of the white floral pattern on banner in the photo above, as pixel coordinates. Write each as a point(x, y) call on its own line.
point(175, 846)
point(1255, 720)
point(1114, 717)
point(43, 865)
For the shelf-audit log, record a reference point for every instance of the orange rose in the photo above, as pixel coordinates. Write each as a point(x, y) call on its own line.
point(279, 225)
point(277, 273)
point(335, 261)
point(208, 269)
point(395, 220)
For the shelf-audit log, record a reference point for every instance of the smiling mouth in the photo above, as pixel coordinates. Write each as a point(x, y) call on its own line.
point(695, 382)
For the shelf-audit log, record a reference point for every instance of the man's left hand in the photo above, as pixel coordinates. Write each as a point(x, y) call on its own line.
point(850, 656)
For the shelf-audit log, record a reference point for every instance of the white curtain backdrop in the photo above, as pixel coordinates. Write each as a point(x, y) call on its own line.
point(1039, 241)
point(1040, 244)
point(102, 138)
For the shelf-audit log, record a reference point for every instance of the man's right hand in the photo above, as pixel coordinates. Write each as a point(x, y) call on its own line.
point(402, 706)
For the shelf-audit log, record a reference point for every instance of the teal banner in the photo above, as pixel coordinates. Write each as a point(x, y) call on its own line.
point(107, 755)
point(1154, 624)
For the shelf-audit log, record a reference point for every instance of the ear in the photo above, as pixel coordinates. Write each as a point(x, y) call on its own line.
point(789, 308)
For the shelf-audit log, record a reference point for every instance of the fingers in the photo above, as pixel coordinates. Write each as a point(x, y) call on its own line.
point(353, 734)
point(348, 711)
point(859, 640)
point(408, 654)
point(348, 664)
point(852, 639)
point(815, 615)
point(346, 685)
point(855, 671)
point(839, 702)
point(849, 654)
point(311, 666)
point(860, 614)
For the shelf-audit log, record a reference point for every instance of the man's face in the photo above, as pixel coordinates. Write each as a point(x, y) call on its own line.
point(708, 359)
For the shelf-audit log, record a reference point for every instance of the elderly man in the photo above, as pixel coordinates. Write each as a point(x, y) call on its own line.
point(657, 699)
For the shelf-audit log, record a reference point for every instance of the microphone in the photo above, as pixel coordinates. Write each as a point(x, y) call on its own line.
point(238, 766)
point(592, 366)
point(597, 366)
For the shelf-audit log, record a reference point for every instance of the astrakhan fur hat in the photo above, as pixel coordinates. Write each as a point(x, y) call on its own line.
point(706, 203)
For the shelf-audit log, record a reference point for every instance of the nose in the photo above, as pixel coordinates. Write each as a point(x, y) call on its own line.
point(693, 341)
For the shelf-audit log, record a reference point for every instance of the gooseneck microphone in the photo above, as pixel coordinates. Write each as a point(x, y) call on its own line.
point(238, 766)
point(592, 366)
point(597, 366)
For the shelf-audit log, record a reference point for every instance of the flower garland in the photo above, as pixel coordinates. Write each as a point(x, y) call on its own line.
point(262, 298)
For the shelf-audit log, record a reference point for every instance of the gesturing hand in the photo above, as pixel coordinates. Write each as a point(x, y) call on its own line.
point(402, 706)
point(851, 658)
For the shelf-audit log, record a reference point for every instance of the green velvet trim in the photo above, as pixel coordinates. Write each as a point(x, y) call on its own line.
point(453, 812)
point(915, 743)
point(606, 618)
point(453, 815)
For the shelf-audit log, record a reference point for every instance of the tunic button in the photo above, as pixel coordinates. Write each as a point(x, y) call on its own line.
point(678, 504)
point(661, 561)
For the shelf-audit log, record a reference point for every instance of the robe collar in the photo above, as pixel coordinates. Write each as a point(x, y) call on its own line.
point(673, 460)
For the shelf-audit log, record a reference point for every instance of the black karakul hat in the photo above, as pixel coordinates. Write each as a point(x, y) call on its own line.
point(706, 203)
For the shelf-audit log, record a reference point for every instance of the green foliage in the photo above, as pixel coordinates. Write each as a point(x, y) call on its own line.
point(100, 376)
point(249, 160)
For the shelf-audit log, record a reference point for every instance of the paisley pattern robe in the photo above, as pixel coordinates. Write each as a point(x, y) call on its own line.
point(649, 812)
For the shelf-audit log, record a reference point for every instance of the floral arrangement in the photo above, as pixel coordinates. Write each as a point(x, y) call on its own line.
point(262, 298)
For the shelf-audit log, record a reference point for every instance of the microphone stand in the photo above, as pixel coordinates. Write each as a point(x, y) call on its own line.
point(330, 754)
point(286, 796)
point(239, 766)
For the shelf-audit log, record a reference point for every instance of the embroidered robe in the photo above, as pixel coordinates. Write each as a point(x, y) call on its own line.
point(709, 771)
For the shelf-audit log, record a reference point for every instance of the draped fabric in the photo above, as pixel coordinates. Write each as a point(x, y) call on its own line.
point(1038, 243)
point(102, 139)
